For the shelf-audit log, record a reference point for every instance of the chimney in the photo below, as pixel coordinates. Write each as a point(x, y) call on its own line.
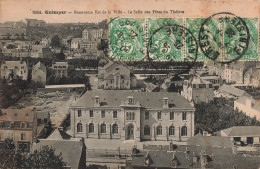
point(165, 102)
point(97, 101)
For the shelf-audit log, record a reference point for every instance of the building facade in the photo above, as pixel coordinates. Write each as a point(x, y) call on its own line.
point(18, 125)
point(233, 72)
point(14, 69)
point(60, 69)
point(198, 90)
point(115, 76)
point(247, 134)
point(39, 73)
point(125, 115)
point(92, 34)
point(249, 106)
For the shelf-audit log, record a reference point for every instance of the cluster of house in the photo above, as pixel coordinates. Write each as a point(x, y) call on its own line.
point(87, 46)
point(20, 69)
point(15, 43)
point(23, 126)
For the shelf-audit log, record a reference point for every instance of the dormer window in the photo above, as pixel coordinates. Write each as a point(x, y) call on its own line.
point(97, 101)
point(165, 102)
point(130, 99)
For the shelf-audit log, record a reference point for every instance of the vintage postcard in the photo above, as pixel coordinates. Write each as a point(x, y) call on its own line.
point(122, 84)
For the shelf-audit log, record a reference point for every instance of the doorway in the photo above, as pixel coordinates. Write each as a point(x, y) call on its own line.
point(130, 132)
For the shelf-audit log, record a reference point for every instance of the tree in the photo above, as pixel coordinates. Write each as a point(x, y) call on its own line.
point(55, 41)
point(60, 56)
point(42, 158)
point(7, 154)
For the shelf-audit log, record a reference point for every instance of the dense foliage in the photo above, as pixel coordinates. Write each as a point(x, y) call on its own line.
point(219, 114)
point(41, 158)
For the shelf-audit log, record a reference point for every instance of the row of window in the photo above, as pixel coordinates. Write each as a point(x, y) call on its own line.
point(159, 115)
point(22, 136)
point(60, 67)
point(131, 115)
point(147, 130)
point(171, 130)
point(91, 128)
point(16, 67)
point(103, 113)
point(14, 124)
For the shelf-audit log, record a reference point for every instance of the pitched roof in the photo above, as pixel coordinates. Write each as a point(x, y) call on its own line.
point(25, 115)
point(39, 66)
point(114, 98)
point(109, 77)
point(213, 141)
point(150, 86)
point(58, 134)
point(242, 131)
point(71, 150)
point(233, 90)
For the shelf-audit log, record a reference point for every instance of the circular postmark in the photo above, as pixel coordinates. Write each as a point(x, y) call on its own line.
point(224, 37)
point(175, 45)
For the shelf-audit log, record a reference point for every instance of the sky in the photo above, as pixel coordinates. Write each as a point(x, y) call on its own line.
point(15, 10)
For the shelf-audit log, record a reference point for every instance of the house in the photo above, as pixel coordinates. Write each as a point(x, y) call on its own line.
point(60, 69)
point(200, 152)
point(39, 73)
point(35, 23)
point(72, 150)
point(126, 115)
point(198, 90)
point(19, 125)
point(12, 30)
point(231, 91)
point(92, 34)
point(233, 72)
point(247, 134)
point(250, 106)
point(115, 76)
point(252, 77)
point(215, 80)
point(14, 69)
point(75, 43)
point(36, 51)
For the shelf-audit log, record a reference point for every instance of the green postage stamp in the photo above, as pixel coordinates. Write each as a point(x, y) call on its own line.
point(222, 37)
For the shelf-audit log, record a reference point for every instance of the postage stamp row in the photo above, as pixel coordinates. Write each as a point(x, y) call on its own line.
point(222, 37)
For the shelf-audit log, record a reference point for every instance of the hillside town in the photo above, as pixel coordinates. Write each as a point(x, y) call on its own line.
point(58, 89)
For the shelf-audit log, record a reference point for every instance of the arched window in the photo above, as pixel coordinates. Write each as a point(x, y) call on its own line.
point(146, 130)
point(184, 131)
point(171, 130)
point(103, 128)
point(115, 128)
point(79, 127)
point(91, 128)
point(159, 130)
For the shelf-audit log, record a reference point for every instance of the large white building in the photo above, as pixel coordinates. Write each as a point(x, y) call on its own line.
point(126, 115)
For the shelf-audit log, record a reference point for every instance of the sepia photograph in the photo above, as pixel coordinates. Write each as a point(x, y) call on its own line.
point(140, 84)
